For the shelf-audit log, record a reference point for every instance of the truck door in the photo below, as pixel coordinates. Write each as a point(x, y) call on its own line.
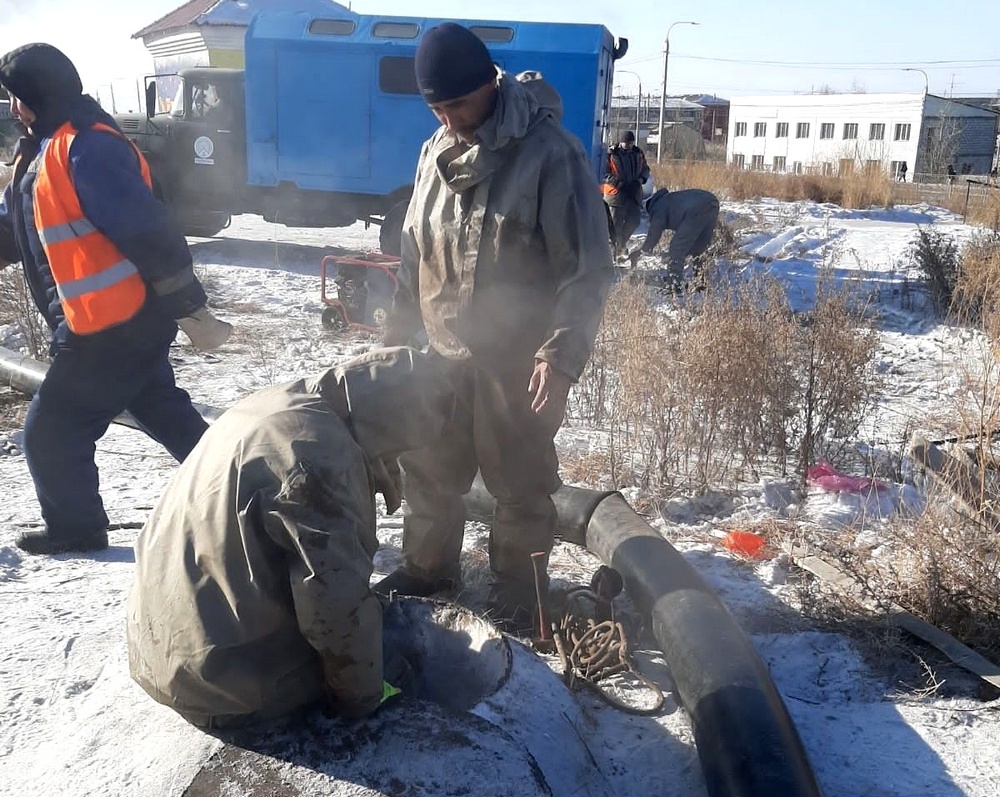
point(213, 141)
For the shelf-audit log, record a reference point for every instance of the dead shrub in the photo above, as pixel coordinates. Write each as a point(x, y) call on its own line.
point(976, 290)
point(936, 255)
point(18, 309)
point(734, 385)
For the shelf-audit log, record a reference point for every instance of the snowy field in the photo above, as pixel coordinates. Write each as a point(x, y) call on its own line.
point(73, 724)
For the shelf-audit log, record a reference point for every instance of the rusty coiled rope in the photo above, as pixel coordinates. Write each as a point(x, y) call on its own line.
point(591, 650)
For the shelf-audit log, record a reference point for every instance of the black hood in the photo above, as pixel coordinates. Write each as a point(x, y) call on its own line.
point(45, 80)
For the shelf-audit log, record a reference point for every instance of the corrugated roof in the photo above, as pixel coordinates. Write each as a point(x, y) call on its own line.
point(179, 17)
point(235, 12)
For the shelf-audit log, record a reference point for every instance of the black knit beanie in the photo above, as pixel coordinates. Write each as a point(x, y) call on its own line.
point(451, 62)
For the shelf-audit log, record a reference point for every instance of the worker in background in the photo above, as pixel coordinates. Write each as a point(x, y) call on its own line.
point(250, 597)
point(626, 172)
point(505, 266)
point(110, 271)
point(692, 214)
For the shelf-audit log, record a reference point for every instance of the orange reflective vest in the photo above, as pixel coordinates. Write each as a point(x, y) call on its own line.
point(606, 187)
point(98, 286)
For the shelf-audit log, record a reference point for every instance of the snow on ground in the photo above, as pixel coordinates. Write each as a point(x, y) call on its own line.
point(73, 724)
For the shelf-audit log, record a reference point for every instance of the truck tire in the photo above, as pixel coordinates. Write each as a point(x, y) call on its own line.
point(390, 234)
point(207, 225)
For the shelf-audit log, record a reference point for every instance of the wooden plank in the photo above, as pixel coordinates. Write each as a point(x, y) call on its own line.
point(962, 655)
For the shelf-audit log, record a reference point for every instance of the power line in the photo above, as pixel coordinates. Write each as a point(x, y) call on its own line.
point(966, 63)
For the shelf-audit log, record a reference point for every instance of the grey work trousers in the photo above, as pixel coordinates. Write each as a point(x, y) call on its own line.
point(496, 432)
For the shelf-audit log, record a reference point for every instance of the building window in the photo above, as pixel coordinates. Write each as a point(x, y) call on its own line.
point(876, 132)
point(759, 129)
point(873, 166)
point(896, 167)
point(850, 130)
point(827, 168)
point(779, 163)
point(738, 161)
point(797, 167)
point(757, 162)
point(845, 167)
point(826, 130)
point(741, 129)
point(802, 131)
point(781, 130)
point(902, 133)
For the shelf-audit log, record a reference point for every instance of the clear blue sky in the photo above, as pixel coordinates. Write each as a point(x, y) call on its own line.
point(740, 47)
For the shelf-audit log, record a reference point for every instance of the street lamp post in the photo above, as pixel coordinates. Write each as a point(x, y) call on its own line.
point(638, 102)
point(922, 72)
point(663, 96)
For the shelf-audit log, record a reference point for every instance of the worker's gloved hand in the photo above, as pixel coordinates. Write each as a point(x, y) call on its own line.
point(389, 692)
point(398, 674)
point(205, 331)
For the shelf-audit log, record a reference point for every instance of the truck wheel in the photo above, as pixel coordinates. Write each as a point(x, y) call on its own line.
point(390, 234)
point(207, 225)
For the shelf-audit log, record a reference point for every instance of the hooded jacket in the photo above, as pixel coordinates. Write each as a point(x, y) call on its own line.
point(250, 595)
point(106, 173)
point(505, 252)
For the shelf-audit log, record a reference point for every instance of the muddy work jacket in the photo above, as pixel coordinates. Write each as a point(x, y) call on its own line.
point(505, 248)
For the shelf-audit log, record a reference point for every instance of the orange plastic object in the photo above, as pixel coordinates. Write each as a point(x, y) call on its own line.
point(745, 543)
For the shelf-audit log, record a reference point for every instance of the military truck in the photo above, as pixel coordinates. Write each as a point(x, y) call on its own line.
point(324, 125)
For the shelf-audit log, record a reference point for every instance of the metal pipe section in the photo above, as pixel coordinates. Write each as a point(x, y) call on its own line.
point(26, 375)
point(745, 738)
point(746, 741)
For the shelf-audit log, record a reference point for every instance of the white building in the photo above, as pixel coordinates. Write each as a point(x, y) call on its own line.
point(839, 133)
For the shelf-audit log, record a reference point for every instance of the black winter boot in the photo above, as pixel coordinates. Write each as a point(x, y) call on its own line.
point(39, 542)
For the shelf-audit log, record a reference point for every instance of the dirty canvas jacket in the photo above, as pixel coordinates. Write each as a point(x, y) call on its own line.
point(505, 248)
point(251, 584)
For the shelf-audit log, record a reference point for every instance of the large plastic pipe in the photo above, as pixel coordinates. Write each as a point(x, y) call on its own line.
point(745, 738)
point(26, 375)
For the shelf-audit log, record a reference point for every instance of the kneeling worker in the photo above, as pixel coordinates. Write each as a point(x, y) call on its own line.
point(251, 594)
point(692, 214)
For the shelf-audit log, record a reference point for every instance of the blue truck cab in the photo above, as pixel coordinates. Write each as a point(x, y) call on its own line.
point(325, 123)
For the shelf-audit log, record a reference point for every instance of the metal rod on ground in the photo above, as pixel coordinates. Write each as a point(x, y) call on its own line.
point(538, 565)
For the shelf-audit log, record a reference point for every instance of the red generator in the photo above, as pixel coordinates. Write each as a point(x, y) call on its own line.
point(363, 290)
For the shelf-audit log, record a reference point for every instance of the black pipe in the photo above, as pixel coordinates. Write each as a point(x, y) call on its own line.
point(745, 738)
point(744, 735)
point(26, 375)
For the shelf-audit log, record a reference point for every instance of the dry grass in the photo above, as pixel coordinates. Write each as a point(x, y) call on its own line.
point(860, 190)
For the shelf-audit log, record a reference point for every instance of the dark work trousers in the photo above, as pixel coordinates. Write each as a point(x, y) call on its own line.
point(81, 394)
point(625, 219)
point(496, 432)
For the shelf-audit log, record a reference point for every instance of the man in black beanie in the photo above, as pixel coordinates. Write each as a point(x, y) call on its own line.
point(506, 265)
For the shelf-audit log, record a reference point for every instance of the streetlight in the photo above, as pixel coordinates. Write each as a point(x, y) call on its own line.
point(921, 71)
point(638, 102)
point(663, 96)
